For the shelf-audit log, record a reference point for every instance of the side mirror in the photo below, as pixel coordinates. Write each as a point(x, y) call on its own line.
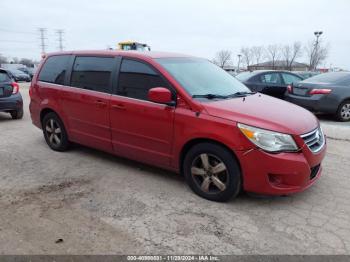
point(160, 95)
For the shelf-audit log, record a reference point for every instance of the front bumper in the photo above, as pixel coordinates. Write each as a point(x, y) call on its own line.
point(13, 102)
point(315, 103)
point(280, 174)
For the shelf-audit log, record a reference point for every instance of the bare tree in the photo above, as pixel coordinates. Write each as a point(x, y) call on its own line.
point(286, 54)
point(27, 62)
point(3, 59)
point(257, 53)
point(273, 53)
point(15, 60)
point(247, 55)
point(290, 53)
point(223, 58)
point(316, 53)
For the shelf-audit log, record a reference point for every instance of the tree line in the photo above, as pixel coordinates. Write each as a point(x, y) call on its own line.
point(314, 54)
point(24, 61)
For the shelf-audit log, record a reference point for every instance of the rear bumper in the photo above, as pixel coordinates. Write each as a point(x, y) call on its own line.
point(13, 102)
point(315, 103)
point(280, 174)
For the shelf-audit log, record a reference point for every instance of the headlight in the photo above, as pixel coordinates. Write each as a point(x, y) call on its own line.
point(268, 140)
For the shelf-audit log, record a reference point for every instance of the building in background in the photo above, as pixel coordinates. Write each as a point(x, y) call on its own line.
point(279, 65)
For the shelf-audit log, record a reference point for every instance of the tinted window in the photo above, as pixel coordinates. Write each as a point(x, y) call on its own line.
point(288, 78)
point(271, 78)
point(4, 77)
point(92, 73)
point(54, 69)
point(136, 78)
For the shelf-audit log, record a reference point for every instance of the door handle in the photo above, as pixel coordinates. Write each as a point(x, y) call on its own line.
point(118, 106)
point(100, 103)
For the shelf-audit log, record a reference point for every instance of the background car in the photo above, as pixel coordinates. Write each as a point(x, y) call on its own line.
point(18, 75)
point(270, 82)
point(28, 70)
point(10, 97)
point(326, 93)
point(306, 74)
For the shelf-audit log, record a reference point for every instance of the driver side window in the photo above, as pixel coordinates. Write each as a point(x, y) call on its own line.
point(137, 78)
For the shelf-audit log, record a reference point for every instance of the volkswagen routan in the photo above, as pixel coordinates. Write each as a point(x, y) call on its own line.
point(180, 113)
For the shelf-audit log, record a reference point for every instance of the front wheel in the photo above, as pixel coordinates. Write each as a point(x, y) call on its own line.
point(212, 172)
point(343, 113)
point(54, 132)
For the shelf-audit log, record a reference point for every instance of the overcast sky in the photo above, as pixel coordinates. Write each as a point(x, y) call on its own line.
point(199, 28)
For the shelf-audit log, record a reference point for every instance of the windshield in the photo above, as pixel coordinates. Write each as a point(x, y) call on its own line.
point(201, 77)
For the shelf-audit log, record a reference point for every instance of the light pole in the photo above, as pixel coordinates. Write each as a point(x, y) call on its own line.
point(315, 53)
point(239, 61)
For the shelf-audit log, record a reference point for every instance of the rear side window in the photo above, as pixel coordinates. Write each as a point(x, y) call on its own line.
point(136, 78)
point(288, 78)
point(93, 73)
point(4, 77)
point(54, 69)
point(271, 78)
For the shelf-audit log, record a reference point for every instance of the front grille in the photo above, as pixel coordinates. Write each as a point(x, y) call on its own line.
point(314, 140)
point(314, 171)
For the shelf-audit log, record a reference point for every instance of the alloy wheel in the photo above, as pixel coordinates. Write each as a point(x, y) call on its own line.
point(53, 132)
point(345, 111)
point(209, 173)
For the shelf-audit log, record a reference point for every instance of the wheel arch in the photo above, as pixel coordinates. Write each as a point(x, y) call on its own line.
point(44, 112)
point(195, 141)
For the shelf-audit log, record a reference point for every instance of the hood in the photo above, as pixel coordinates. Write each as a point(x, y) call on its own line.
point(265, 112)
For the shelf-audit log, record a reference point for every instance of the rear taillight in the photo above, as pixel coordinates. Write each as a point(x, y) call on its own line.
point(15, 88)
point(320, 91)
point(290, 89)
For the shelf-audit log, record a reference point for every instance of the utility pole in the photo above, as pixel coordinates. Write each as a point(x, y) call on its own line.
point(42, 32)
point(60, 33)
point(239, 61)
point(315, 52)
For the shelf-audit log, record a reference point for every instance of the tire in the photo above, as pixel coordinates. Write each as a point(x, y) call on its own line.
point(17, 114)
point(203, 178)
point(54, 132)
point(343, 112)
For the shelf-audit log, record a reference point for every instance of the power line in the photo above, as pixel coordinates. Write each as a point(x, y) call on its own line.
point(42, 32)
point(60, 33)
point(16, 32)
point(17, 41)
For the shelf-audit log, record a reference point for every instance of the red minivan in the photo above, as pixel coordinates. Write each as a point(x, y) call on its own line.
point(180, 113)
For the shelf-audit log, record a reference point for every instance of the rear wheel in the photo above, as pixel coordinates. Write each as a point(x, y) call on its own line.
point(17, 114)
point(54, 132)
point(343, 113)
point(212, 172)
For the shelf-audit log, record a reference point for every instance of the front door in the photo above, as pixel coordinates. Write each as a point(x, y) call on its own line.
point(141, 130)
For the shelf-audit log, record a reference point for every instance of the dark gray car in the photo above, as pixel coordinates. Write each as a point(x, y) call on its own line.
point(10, 97)
point(327, 93)
point(269, 82)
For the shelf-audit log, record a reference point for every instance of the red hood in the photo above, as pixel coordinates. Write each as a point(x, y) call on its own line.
point(265, 112)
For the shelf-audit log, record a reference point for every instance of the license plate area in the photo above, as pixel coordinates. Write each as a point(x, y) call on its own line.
point(299, 91)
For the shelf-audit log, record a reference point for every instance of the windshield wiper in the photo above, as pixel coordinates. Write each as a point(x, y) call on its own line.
point(210, 96)
point(242, 94)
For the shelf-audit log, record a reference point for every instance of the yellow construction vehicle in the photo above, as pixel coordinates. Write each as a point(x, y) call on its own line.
point(132, 45)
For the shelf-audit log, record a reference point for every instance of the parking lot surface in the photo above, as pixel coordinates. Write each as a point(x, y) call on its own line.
point(88, 202)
